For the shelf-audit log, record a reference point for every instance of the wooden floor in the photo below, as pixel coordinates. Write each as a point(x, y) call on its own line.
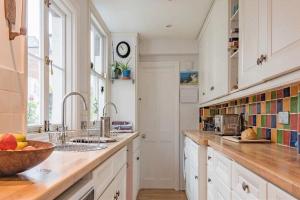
point(155, 194)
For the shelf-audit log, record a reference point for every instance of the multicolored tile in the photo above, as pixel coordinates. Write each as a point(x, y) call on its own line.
point(294, 90)
point(268, 107)
point(279, 93)
point(293, 140)
point(279, 105)
point(273, 107)
point(286, 105)
point(294, 104)
point(286, 92)
point(274, 135)
point(293, 122)
point(273, 95)
point(286, 138)
point(279, 136)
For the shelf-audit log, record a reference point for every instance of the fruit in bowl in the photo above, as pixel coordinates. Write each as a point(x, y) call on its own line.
point(18, 154)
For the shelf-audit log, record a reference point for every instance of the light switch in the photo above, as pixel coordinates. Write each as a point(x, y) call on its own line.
point(283, 117)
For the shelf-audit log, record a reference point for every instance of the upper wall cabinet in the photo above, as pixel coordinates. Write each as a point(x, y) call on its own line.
point(213, 56)
point(270, 39)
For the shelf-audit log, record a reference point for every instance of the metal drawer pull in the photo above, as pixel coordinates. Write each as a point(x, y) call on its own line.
point(137, 158)
point(245, 187)
point(196, 177)
point(209, 157)
point(209, 180)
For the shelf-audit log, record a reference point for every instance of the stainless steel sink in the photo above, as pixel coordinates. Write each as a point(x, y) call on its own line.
point(80, 147)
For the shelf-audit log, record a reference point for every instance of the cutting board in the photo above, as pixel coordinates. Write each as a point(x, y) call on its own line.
point(238, 140)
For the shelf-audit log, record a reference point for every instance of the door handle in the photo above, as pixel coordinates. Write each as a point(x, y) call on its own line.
point(144, 136)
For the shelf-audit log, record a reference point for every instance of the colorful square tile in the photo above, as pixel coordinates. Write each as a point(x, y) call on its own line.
point(294, 104)
point(263, 120)
point(280, 94)
point(269, 121)
point(268, 134)
point(259, 133)
point(258, 108)
point(299, 103)
point(279, 105)
point(293, 122)
point(263, 107)
point(273, 95)
point(254, 120)
point(263, 97)
point(286, 92)
point(279, 126)
point(254, 98)
point(268, 107)
point(273, 121)
point(279, 136)
point(294, 90)
point(254, 108)
point(264, 133)
point(286, 138)
point(298, 123)
point(286, 104)
point(268, 96)
point(293, 140)
point(274, 135)
point(258, 120)
point(273, 107)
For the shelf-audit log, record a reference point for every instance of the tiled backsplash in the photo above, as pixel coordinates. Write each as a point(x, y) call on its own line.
point(261, 113)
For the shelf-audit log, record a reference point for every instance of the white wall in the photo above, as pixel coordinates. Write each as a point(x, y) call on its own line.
point(186, 53)
point(13, 77)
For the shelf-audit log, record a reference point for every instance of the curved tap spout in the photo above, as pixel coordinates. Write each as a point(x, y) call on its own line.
point(104, 108)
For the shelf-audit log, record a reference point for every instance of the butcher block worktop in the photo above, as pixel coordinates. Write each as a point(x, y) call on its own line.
point(277, 164)
point(60, 171)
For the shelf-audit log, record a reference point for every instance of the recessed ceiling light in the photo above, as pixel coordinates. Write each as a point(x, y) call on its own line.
point(169, 26)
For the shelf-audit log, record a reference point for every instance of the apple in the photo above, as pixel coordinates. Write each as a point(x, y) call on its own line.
point(8, 142)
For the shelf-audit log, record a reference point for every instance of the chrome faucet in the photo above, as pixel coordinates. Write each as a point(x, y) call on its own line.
point(64, 110)
point(104, 108)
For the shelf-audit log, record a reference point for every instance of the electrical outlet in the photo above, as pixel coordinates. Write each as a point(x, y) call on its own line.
point(283, 117)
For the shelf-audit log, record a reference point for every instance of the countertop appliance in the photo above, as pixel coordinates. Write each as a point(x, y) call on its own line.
point(228, 124)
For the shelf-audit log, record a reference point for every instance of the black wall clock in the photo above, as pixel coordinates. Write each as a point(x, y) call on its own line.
point(123, 49)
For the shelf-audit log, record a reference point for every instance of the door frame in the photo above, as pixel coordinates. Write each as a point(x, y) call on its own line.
point(175, 65)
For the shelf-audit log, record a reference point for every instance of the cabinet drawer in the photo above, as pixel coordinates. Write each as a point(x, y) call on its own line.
point(119, 159)
point(246, 184)
point(275, 193)
point(222, 168)
point(221, 191)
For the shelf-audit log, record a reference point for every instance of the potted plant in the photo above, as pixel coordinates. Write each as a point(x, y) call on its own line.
point(126, 72)
point(117, 71)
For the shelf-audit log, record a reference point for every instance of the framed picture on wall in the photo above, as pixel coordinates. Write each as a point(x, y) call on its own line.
point(189, 78)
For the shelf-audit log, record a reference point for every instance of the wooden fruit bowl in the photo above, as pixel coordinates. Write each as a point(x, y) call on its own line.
point(14, 162)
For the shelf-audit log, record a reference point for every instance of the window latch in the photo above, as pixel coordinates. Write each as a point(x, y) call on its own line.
point(49, 62)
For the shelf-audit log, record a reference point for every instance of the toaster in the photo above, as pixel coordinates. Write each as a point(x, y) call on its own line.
point(228, 124)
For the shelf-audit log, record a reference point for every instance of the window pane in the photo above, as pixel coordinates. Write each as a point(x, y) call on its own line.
point(56, 54)
point(34, 91)
point(56, 93)
point(97, 51)
point(34, 108)
point(56, 45)
point(34, 27)
point(94, 99)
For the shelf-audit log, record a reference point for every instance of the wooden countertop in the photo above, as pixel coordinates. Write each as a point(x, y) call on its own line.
point(56, 174)
point(277, 164)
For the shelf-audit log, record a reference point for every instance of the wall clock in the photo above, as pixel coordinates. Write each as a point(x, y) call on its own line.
point(123, 49)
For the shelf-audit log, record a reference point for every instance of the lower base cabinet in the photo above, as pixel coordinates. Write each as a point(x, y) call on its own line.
point(117, 189)
point(227, 180)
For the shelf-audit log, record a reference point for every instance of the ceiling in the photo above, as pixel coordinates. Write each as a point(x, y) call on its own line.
point(149, 18)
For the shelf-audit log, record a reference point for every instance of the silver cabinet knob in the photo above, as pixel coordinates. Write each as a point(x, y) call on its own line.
point(245, 187)
point(143, 136)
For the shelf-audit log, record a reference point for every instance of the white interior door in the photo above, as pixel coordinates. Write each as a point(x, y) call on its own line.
point(159, 124)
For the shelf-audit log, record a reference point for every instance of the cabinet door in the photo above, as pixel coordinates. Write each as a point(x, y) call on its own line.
point(251, 41)
point(213, 57)
point(274, 193)
point(283, 37)
point(136, 173)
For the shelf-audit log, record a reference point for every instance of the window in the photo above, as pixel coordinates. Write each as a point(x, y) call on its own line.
point(98, 73)
point(46, 62)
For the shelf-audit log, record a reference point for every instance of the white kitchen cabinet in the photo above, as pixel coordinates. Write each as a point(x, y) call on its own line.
point(213, 57)
point(117, 189)
point(107, 171)
point(133, 169)
point(275, 193)
point(195, 170)
point(283, 37)
point(246, 184)
point(269, 39)
point(252, 41)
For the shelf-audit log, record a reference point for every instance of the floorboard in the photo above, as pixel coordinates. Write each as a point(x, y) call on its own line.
point(159, 194)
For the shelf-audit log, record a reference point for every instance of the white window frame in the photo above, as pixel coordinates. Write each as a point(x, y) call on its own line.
point(94, 24)
point(64, 7)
